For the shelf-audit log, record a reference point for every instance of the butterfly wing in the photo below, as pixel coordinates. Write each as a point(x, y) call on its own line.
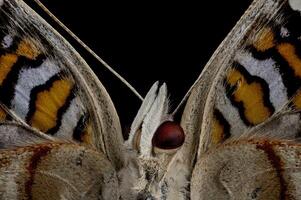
point(45, 84)
point(50, 101)
point(251, 81)
point(245, 106)
point(37, 166)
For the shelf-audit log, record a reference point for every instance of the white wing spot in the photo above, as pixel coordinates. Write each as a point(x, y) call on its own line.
point(295, 5)
point(7, 40)
point(284, 32)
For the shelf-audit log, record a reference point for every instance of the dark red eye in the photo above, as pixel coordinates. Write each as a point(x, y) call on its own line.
point(169, 135)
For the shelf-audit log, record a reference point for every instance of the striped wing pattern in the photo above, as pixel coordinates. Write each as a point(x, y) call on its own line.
point(249, 143)
point(257, 89)
point(51, 142)
point(243, 115)
point(35, 83)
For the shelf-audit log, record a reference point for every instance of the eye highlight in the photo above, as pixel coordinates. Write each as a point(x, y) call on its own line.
point(169, 135)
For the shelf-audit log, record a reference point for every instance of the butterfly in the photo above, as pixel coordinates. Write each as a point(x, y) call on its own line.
point(239, 135)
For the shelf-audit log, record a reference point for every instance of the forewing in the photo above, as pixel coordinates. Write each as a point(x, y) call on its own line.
point(46, 84)
point(250, 87)
point(244, 110)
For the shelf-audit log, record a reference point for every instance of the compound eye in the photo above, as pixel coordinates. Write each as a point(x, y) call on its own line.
point(169, 135)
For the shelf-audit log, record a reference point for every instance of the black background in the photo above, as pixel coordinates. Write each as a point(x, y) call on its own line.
point(147, 41)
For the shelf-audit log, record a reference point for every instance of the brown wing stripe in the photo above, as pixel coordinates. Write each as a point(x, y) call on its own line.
point(28, 49)
point(7, 62)
point(249, 94)
point(70, 90)
point(285, 50)
point(220, 127)
point(266, 40)
point(82, 130)
point(48, 103)
point(37, 156)
point(291, 82)
point(2, 115)
point(277, 164)
point(7, 89)
point(12, 61)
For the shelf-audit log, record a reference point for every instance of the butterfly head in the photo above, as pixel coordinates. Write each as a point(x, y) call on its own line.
point(169, 136)
point(153, 141)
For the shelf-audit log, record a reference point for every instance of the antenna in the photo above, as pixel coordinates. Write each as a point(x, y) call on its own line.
point(87, 48)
